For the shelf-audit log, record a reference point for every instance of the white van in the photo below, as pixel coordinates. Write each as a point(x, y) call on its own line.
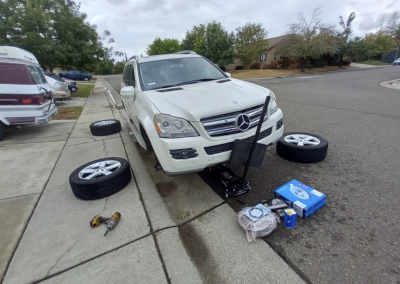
point(25, 95)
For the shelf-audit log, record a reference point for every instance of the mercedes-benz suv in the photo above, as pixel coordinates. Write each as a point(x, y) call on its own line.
point(189, 112)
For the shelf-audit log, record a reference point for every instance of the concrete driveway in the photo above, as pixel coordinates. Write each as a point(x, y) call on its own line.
point(27, 158)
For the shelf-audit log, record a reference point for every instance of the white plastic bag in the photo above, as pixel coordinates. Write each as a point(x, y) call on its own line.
point(258, 228)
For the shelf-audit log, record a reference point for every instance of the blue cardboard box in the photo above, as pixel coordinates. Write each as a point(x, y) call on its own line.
point(302, 198)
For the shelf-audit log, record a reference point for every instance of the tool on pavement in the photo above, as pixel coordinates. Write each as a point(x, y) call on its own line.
point(111, 222)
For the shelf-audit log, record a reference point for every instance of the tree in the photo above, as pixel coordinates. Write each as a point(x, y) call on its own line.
point(218, 44)
point(55, 31)
point(194, 39)
point(344, 35)
point(163, 46)
point(379, 44)
point(357, 49)
point(211, 41)
point(119, 67)
point(393, 29)
point(309, 39)
point(250, 42)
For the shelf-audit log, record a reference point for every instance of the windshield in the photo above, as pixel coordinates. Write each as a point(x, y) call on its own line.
point(176, 72)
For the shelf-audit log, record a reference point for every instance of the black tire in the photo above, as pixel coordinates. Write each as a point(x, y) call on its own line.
point(2, 130)
point(103, 185)
point(302, 154)
point(105, 127)
point(86, 79)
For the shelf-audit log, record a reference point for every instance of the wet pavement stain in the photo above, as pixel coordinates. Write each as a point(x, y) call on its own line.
point(199, 254)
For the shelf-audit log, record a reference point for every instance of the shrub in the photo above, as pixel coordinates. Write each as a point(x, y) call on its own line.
point(318, 63)
point(346, 62)
point(240, 67)
point(255, 65)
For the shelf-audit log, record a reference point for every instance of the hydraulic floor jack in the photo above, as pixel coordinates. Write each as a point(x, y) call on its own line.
point(247, 154)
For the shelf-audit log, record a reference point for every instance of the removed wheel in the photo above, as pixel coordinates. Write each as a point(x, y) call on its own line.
point(100, 178)
point(105, 127)
point(302, 147)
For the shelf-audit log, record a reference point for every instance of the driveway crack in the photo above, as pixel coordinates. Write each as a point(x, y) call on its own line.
point(58, 260)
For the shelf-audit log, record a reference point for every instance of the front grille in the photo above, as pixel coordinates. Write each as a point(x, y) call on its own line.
point(212, 150)
point(224, 124)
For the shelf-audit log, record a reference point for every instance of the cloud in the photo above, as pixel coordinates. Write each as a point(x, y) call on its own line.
point(134, 24)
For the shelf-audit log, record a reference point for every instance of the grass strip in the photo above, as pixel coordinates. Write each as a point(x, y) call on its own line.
point(68, 113)
point(83, 91)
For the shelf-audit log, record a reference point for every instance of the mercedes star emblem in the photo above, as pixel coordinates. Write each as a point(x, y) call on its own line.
point(242, 122)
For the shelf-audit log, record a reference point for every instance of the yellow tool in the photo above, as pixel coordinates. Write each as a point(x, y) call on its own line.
point(111, 222)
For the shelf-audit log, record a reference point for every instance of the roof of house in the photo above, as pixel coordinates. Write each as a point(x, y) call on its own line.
point(275, 40)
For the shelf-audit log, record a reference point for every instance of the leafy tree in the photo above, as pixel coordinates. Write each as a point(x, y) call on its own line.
point(218, 44)
point(211, 41)
point(55, 31)
point(393, 29)
point(119, 67)
point(194, 39)
point(379, 44)
point(250, 42)
point(357, 49)
point(344, 35)
point(163, 46)
point(309, 39)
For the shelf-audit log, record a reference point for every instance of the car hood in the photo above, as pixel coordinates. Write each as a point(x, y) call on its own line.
point(196, 101)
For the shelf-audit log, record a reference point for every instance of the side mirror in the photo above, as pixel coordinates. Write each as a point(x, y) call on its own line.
point(228, 74)
point(128, 92)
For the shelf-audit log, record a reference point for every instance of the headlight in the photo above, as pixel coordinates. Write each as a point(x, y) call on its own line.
point(273, 103)
point(169, 126)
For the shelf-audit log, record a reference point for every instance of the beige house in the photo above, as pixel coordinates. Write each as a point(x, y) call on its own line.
point(271, 52)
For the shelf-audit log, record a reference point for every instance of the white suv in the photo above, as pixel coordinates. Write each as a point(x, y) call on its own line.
point(189, 112)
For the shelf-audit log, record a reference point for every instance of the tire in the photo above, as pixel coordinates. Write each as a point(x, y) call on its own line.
point(105, 127)
point(105, 183)
point(2, 130)
point(86, 79)
point(302, 147)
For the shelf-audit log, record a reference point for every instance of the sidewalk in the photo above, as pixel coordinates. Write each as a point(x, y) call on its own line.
point(172, 230)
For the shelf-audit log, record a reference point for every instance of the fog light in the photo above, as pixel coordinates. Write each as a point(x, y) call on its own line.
point(279, 124)
point(181, 154)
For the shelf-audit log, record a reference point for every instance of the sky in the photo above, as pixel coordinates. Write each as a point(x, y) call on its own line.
point(135, 24)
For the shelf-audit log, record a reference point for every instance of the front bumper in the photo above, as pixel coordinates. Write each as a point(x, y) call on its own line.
point(206, 151)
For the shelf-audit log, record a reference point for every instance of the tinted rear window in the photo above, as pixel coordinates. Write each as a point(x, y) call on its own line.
point(11, 73)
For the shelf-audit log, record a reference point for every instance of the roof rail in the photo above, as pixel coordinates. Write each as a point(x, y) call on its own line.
point(185, 52)
point(134, 57)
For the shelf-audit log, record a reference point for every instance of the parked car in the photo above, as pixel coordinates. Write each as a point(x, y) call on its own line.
point(189, 112)
point(58, 86)
point(25, 95)
point(396, 62)
point(75, 75)
point(72, 85)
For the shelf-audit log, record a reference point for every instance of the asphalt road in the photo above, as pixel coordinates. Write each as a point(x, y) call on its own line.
point(355, 237)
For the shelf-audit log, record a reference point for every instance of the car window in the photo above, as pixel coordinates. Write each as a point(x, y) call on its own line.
point(171, 72)
point(131, 76)
point(127, 72)
point(40, 72)
point(35, 75)
point(11, 73)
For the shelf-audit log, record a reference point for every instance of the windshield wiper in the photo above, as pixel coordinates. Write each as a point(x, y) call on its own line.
point(167, 86)
point(196, 81)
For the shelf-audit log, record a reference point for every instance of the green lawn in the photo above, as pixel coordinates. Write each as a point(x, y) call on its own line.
point(83, 91)
point(374, 62)
point(68, 112)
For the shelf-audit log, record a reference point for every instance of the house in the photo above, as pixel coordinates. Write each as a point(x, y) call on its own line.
point(271, 52)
